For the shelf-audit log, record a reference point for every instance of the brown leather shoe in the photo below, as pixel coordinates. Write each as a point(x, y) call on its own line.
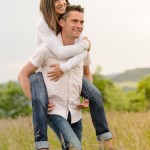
point(108, 145)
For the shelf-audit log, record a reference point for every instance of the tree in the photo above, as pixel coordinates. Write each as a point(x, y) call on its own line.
point(101, 83)
point(144, 86)
point(12, 101)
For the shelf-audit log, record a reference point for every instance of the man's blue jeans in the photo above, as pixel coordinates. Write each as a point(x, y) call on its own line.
point(68, 134)
point(40, 102)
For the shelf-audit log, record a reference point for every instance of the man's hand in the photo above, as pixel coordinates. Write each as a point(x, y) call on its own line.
point(50, 106)
point(55, 72)
point(84, 104)
point(86, 38)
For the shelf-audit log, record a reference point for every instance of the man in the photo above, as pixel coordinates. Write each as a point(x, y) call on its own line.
point(64, 93)
point(72, 26)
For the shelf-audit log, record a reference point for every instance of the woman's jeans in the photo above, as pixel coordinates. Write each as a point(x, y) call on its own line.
point(40, 104)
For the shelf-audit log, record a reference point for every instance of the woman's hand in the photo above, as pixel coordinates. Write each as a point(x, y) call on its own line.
point(55, 72)
point(86, 38)
point(84, 104)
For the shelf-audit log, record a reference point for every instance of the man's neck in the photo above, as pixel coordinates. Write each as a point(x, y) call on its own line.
point(67, 40)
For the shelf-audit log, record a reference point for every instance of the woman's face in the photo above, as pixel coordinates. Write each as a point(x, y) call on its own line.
point(60, 6)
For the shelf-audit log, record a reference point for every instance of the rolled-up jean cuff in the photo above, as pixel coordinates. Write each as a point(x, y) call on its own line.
point(41, 144)
point(104, 136)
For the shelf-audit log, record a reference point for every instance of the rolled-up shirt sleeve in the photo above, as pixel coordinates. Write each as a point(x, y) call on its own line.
point(39, 57)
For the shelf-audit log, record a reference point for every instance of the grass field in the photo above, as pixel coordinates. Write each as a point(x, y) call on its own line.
point(131, 131)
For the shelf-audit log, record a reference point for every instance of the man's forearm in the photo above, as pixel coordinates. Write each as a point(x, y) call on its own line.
point(89, 77)
point(87, 73)
point(25, 85)
point(23, 78)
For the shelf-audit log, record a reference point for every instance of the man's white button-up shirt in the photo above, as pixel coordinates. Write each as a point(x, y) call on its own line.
point(64, 93)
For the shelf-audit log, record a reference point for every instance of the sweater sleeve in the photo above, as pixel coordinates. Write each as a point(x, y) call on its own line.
point(73, 61)
point(54, 45)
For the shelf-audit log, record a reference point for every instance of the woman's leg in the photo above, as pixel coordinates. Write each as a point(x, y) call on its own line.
point(90, 92)
point(64, 132)
point(39, 105)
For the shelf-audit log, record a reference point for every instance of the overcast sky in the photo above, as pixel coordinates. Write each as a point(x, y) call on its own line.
point(119, 31)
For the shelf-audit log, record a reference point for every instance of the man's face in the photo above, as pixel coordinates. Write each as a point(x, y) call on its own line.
point(73, 25)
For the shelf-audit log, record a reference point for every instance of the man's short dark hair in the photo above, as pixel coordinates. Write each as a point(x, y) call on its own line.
point(70, 8)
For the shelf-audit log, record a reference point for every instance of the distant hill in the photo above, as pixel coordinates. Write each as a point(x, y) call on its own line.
point(133, 75)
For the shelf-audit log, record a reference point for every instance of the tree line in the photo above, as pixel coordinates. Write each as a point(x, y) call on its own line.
point(13, 103)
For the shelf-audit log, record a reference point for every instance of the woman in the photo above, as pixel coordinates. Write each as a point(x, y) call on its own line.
point(47, 28)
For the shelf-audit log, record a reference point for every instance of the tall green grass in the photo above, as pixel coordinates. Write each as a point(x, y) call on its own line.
point(131, 131)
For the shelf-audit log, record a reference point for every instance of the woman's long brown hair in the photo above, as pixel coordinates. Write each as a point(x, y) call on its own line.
point(48, 11)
